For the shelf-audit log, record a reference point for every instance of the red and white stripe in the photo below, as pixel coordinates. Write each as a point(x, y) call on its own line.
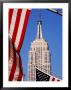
point(52, 78)
point(15, 66)
point(18, 19)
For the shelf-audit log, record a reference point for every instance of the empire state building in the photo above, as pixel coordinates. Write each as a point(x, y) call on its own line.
point(39, 55)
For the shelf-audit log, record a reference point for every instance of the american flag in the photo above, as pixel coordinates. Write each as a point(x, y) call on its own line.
point(41, 76)
point(15, 65)
point(18, 19)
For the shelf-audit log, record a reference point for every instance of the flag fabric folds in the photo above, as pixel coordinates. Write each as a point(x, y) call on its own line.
point(15, 65)
point(18, 19)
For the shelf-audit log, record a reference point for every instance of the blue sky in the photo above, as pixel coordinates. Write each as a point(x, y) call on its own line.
point(52, 33)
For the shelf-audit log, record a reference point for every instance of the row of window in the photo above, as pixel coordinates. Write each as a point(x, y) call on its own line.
point(40, 48)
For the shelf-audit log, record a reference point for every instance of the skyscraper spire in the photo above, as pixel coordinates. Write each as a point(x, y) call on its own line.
point(39, 28)
point(39, 57)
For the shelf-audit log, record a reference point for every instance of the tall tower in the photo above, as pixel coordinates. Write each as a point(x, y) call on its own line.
point(39, 55)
